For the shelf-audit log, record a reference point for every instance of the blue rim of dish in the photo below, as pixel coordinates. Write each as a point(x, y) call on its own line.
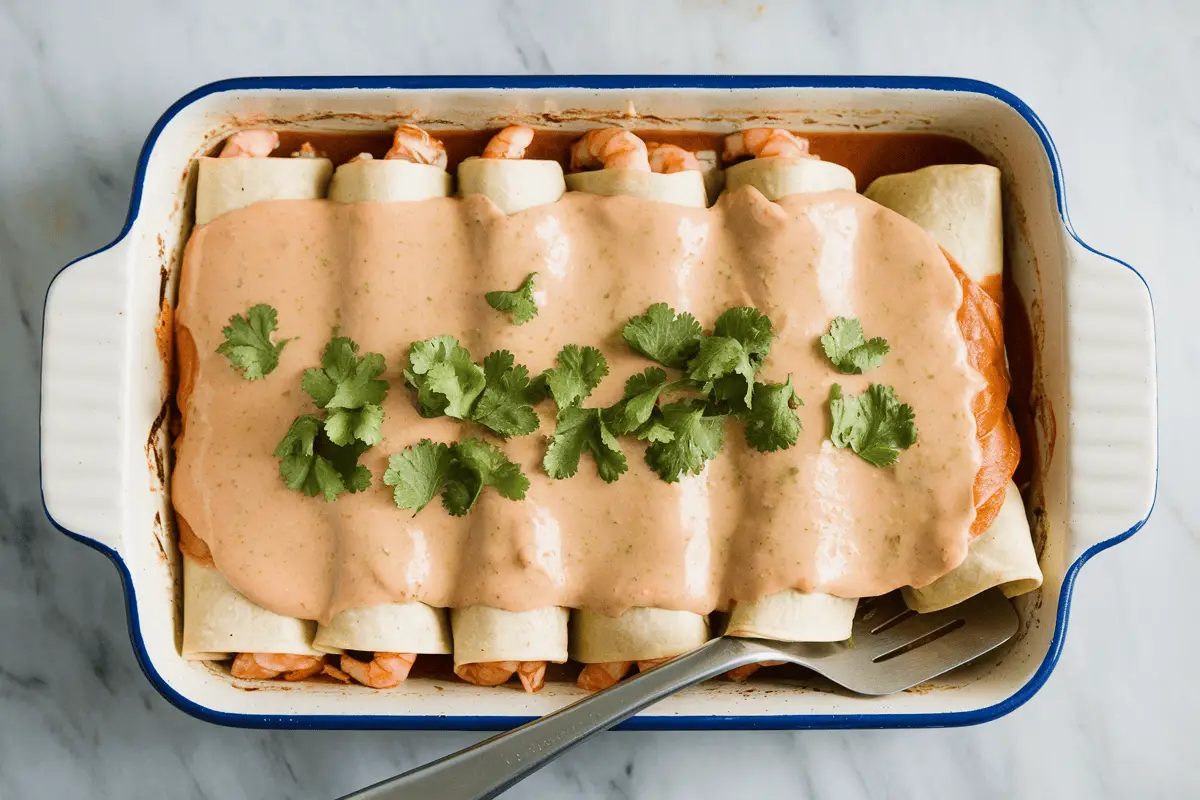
point(492, 723)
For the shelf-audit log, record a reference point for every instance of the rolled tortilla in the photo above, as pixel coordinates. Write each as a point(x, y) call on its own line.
point(960, 206)
point(389, 628)
point(219, 622)
point(681, 188)
point(640, 634)
point(388, 180)
point(485, 634)
point(1002, 556)
point(714, 176)
point(227, 184)
point(780, 177)
point(512, 184)
point(792, 616)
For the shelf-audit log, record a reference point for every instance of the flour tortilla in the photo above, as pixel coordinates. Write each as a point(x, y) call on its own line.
point(679, 188)
point(780, 177)
point(959, 205)
point(714, 176)
point(388, 181)
point(227, 184)
point(483, 634)
point(640, 634)
point(1001, 556)
point(219, 622)
point(388, 628)
point(792, 616)
point(512, 184)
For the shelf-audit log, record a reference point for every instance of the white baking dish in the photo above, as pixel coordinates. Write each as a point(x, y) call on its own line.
point(105, 390)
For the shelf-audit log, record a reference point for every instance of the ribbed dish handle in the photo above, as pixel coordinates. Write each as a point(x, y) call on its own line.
point(84, 385)
point(1113, 397)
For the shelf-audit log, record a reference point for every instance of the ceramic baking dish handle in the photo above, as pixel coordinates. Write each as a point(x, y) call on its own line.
point(1113, 436)
point(84, 376)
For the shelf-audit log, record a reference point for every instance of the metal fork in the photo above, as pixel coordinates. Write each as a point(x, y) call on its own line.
point(892, 649)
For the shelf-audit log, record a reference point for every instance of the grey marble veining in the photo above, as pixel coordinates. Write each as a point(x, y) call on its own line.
point(1116, 84)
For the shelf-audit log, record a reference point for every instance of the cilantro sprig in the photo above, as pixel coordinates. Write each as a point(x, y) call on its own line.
point(497, 394)
point(720, 374)
point(312, 464)
point(519, 303)
point(874, 424)
point(578, 429)
point(458, 472)
point(348, 387)
point(319, 454)
point(248, 344)
point(850, 352)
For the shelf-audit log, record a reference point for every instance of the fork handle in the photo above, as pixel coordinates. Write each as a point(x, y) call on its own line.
point(486, 769)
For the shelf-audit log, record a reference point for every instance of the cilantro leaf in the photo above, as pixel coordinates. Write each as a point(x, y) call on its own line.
point(447, 381)
point(641, 398)
point(579, 371)
point(458, 472)
point(696, 439)
point(874, 424)
point(740, 342)
point(312, 464)
point(519, 303)
point(660, 334)
point(655, 431)
point(581, 429)
point(849, 351)
point(345, 379)
point(505, 406)
point(418, 474)
point(477, 464)
point(772, 424)
point(248, 344)
point(344, 426)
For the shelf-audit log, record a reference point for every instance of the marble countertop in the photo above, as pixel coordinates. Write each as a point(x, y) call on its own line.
point(1114, 82)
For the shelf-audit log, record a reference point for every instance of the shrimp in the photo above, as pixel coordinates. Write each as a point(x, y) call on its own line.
point(609, 148)
point(739, 674)
point(335, 673)
point(509, 143)
point(306, 151)
point(595, 677)
point(668, 158)
point(383, 671)
point(250, 144)
point(497, 673)
point(410, 143)
point(266, 666)
point(764, 143)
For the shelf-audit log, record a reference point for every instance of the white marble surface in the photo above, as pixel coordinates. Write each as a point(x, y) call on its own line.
point(1115, 83)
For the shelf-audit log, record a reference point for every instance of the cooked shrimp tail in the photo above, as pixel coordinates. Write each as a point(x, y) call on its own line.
point(609, 148)
point(595, 677)
point(509, 143)
point(496, 673)
point(268, 666)
point(383, 671)
point(411, 143)
point(250, 144)
point(764, 143)
point(668, 158)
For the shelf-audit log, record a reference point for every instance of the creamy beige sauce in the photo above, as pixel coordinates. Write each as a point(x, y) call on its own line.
point(811, 517)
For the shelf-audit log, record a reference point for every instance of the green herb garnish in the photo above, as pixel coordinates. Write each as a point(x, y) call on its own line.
point(519, 303)
point(696, 438)
point(458, 472)
point(312, 464)
point(662, 335)
point(347, 386)
point(498, 395)
point(579, 429)
point(849, 350)
point(874, 424)
point(248, 344)
point(771, 422)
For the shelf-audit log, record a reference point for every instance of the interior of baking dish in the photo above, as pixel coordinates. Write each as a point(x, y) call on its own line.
point(141, 532)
